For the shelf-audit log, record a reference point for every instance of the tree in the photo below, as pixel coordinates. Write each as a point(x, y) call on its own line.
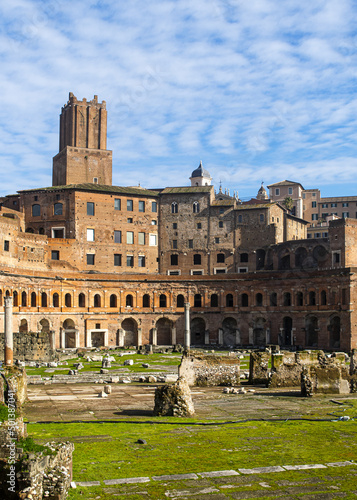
point(288, 203)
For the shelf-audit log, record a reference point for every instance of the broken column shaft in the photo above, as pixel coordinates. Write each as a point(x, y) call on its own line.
point(187, 341)
point(9, 340)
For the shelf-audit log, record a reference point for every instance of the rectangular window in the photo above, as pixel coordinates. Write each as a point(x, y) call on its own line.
point(130, 261)
point(261, 217)
point(117, 204)
point(240, 218)
point(55, 255)
point(345, 215)
point(90, 234)
point(216, 240)
point(325, 205)
point(277, 192)
point(172, 272)
point(58, 209)
point(190, 243)
point(317, 235)
point(324, 215)
point(90, 208)
point(333, 205)
point(219, 270)
point(174, 243)
point(153, 240)
point(117, 236)
point(174, 260)
point(141, 238)
point(129, 205)
point(141, 206)
point(141, 261)
point(154, 206)
point(313, 194)
point(130, 237)
point(242, 269)
point(196, 272)
point(117, 259)
point(290, 190)
point(6, 246)
point(314, 216)
point(174, 225)
point(129, 220)
point(154, 222)
point(199, 225)
point(313, 204)
point(345, 204)
point(220, 223)
point(90, 259)
point(336, 257)
point(304, 195)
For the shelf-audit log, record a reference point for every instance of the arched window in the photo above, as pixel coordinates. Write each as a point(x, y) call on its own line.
point(214, 300)
point(221, 258)
point(97, 300)
point(129, 301)
point(68, 300)
point(146, 300)
point(180, 301)
point(113, 300)
point(229, 300)
point(45, 325)
point(36, 210)
point(24, 299)
point(197, 300)
point(244, 300)
point(58, 209)
point(55, 300)
point(30, 230)
point(196, 207)
point(299, 299)
point(174, 207)
point(323, 298)
point(43, 299)
point(287, 299)
point(259, 299)
point(163, 300)
point(273, 299)
point(15, 299)
point(312, 298)
point(33, 299)
point(81, 300)
point(197, 259)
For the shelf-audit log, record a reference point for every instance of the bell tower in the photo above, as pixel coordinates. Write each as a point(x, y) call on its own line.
point(83, 157)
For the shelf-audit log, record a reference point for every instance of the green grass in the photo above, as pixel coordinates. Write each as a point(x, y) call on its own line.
point(164, 360)
point(177, 448)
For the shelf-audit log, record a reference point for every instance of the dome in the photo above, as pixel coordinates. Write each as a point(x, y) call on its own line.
point(200, 172)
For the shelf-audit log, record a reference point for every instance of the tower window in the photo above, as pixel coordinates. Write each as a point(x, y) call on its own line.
point(90, 208)
point(141, 206)
point(174, 208)
point(58, 209)
point(129, 205)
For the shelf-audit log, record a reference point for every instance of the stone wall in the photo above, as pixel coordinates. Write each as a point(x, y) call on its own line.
point(30, 347)
point(16, 381)
point(259, 367)
point(210, 370)
point(325, 379)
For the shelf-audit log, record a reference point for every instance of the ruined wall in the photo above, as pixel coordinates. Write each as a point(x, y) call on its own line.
point(325, 379)
point(210, 370)
point(259, 367)
point(31, 346)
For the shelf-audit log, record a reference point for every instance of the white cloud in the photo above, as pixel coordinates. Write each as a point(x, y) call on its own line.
point(259, 88)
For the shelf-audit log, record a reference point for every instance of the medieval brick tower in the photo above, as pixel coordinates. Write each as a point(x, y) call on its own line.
point(83, 157)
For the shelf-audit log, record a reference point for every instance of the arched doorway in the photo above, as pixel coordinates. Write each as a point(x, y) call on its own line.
point(198, 327)
point(69, 334)
point(287, 331)
point(163, 326)
point(23, 328)
point(259, 336)
point(335, 332)
point(45, 325)
point(130, 328)
point(229, 327)
point(311, 329)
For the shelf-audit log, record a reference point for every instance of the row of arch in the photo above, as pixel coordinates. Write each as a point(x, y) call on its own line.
point(310, 298)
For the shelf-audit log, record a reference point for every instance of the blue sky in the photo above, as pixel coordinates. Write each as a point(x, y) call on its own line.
point(259, 90)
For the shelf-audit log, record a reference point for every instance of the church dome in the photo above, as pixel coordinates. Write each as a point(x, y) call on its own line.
point(200, 172)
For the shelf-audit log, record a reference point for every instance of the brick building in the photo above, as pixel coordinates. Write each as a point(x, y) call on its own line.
point(99, 265)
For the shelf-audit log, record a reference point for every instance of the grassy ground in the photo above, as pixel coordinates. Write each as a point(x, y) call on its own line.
point(158, 361)
point(174, 448)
